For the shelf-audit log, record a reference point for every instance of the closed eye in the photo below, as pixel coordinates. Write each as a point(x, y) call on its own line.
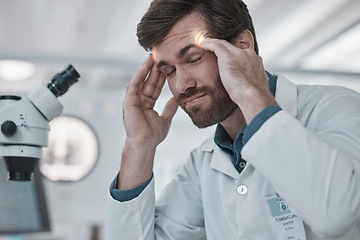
point(168, 74)
point(167, 70)
point(197, 59)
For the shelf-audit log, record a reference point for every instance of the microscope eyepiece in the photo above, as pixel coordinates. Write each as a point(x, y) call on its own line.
point(62, 81)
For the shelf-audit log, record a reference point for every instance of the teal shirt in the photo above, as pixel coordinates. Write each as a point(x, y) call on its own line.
point(222, 139)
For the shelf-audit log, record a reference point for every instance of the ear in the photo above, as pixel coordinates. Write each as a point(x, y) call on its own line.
point(244, 40)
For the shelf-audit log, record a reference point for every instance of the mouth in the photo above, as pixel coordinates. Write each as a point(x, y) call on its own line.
point(193, 100)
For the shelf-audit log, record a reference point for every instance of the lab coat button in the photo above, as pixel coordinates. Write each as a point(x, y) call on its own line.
point(242, 189)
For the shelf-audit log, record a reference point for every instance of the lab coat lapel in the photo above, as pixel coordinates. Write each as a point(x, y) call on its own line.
point(221, 161)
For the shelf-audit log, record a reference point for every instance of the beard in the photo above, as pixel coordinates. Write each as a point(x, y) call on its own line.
point(220, 108)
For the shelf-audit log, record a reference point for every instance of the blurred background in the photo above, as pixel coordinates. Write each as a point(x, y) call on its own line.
point(310, 42)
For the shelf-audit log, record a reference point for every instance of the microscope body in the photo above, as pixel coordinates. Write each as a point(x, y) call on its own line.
point(25, 126)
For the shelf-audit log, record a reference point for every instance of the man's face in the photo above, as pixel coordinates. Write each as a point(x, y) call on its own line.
point(193, 74)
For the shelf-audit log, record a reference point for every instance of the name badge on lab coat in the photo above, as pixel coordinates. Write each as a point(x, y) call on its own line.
point(285, 224)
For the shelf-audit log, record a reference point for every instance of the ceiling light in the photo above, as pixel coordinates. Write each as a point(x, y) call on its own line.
point(16, 70)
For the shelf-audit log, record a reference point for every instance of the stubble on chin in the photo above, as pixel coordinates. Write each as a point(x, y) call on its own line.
point(219, 109)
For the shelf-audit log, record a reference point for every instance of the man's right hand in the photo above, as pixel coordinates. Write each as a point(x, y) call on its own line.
point(145, 128)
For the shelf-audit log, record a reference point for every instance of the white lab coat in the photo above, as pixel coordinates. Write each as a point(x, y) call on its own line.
point(314, 168)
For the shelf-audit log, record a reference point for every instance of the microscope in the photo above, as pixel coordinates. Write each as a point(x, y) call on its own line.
point(25, 124)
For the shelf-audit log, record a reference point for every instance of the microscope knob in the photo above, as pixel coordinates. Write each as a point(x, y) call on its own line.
point(8, 128)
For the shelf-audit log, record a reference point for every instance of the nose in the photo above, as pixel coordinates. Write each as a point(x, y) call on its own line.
point(184, 80)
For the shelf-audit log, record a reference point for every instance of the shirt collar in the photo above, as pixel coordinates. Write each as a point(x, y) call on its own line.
point(272, 82)
point(224, 141)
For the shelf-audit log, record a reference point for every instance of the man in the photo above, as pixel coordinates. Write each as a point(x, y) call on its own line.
point(284, 162)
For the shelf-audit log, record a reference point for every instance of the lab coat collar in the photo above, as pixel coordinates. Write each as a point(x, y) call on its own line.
point(221, 161)
point(286, 96)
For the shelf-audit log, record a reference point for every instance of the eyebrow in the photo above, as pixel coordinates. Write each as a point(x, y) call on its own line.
point(181, 53)
point(184, 50)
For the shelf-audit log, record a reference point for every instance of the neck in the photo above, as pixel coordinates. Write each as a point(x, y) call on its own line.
point(234, 123)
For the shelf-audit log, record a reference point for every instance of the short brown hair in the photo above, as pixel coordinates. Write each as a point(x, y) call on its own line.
point(225, 19)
